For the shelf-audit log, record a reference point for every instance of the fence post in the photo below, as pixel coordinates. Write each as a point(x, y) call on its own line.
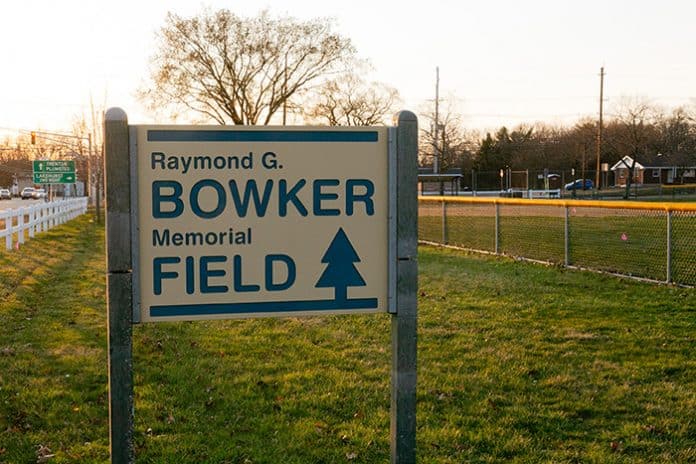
point(20, 225)
point(497, 229)
point(32, 216)
point(444, 222)
point(566, 229)
point(44, 217)
point(669, 246)
point(473, 182)
point(8, 230)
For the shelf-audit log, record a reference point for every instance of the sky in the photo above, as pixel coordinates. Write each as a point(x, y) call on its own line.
point(501, 62)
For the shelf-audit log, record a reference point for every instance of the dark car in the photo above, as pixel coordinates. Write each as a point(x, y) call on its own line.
point(580, 184)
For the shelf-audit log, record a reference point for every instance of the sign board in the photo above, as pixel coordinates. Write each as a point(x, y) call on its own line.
point(218, 222)
point(54, 171)
point(54, 178)
point(260, 221)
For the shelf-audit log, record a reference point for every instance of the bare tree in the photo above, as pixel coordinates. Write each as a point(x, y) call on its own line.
point(632, 130)
point(14, 160)
point(351, 101)
point(678, 132)
point(238, 70)
point(454, 146)
point(88, 150)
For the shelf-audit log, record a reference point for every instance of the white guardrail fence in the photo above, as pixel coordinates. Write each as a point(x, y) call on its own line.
point(39, 217)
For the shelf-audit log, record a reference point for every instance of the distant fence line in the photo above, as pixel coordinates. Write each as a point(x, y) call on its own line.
point(482, 182)
point(39, 217)
point(655, 241)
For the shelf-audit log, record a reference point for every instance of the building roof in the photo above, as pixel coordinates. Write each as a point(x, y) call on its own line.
point(627, 163)
point(427, 175)
point(438, 177)
point(657, 161)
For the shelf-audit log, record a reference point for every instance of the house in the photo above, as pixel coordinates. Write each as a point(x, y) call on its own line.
point(622, 168)
point(656, 169)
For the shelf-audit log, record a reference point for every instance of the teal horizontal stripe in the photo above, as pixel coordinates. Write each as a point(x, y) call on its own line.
point(260, 136)
point(261, 307)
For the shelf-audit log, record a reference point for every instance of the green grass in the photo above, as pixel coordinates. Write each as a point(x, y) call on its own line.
point(517, 363)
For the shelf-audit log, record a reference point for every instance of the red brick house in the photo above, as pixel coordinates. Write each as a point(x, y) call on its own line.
point(657, 169)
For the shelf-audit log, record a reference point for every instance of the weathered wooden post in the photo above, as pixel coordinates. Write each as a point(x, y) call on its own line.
point(404, 321)
point(119, 284)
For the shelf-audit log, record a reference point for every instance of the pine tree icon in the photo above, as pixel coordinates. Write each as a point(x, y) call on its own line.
point(340, 271)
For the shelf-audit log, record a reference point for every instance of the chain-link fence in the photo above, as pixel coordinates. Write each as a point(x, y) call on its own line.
point(656, 241)
point(530, 179)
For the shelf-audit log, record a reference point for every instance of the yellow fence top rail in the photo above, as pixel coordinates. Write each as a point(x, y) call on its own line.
point(642, 205)
point(678, 186)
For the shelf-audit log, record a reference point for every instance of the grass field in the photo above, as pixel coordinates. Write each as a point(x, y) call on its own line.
point(517, 363)
point(626, 244)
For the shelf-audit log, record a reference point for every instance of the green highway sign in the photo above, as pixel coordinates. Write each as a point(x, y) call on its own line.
point(54, 177)
point(54, 172)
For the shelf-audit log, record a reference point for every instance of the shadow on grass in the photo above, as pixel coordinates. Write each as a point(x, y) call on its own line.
point(517, 362)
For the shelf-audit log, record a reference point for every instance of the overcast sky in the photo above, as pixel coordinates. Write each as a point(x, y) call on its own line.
point(501, 62)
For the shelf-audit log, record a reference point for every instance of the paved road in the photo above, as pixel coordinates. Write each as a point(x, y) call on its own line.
point(16, 203)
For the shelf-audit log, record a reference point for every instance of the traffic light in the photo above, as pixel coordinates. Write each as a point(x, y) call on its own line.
point(33, 138)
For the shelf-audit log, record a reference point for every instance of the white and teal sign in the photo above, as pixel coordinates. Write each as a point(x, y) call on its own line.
point(261, 221)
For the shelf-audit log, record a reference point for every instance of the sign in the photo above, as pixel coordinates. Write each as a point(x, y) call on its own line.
point(260, 221)
point(54, 171)
point(54, 178)
point(214, 222)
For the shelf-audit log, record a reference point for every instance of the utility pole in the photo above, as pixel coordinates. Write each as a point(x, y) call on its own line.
point(600, 128)
point(436, 161)
point(583, 166)
point(88, 186)
point(97, 203)
point(285, 89)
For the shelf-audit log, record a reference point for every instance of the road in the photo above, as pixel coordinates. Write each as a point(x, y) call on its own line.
point(16, 203)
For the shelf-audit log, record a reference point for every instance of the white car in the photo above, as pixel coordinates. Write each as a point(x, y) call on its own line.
point(40, 193)
point(5, 194)
point(27, 193)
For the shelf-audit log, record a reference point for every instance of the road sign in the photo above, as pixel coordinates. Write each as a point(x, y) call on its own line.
point(261, 221)
point(54, 177)
point(54, 171)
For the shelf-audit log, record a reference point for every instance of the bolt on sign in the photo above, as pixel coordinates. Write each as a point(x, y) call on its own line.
point(260, 221)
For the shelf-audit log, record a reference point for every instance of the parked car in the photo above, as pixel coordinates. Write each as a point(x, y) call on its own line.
point(5, 194)
point(578, 184)
point(27, 193)
point(40, 193)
